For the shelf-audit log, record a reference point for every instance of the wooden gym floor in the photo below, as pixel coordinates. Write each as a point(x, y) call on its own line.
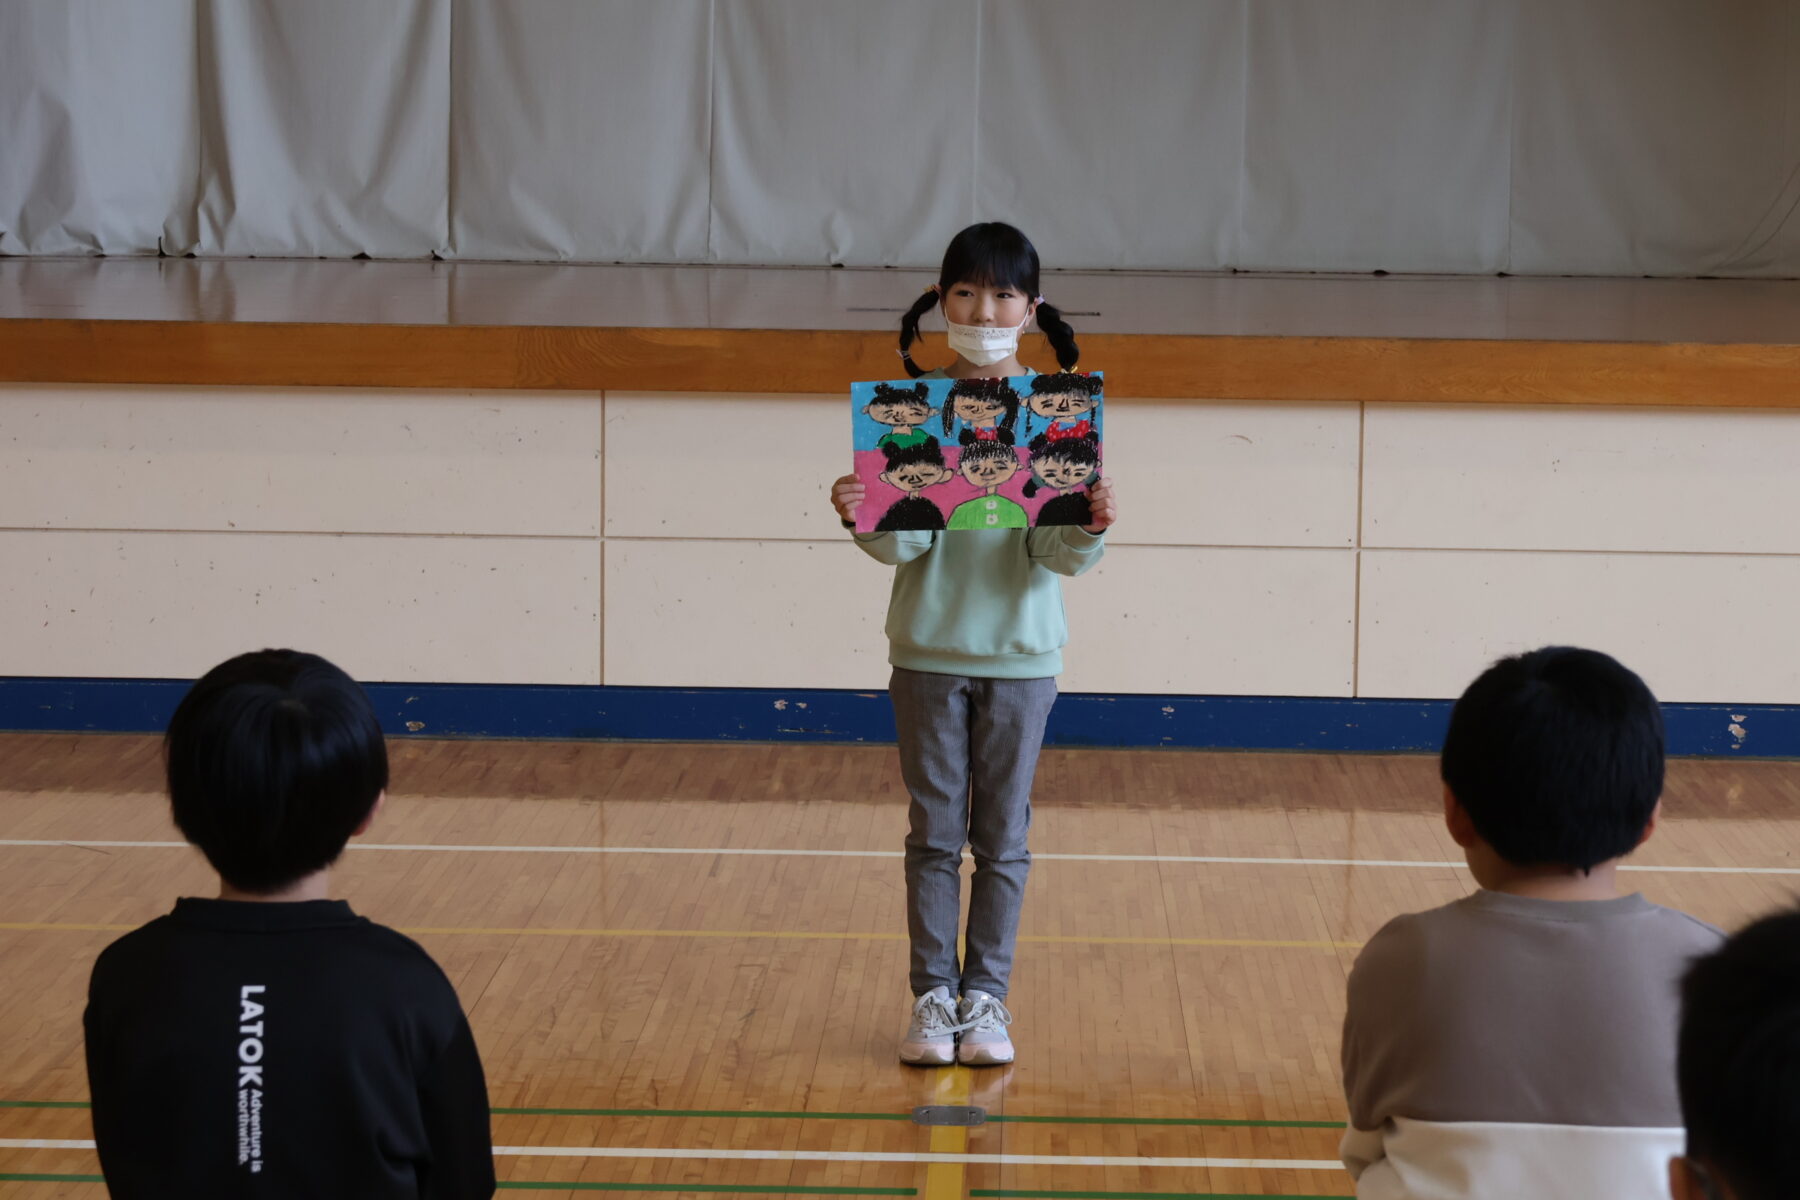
point(686, 964)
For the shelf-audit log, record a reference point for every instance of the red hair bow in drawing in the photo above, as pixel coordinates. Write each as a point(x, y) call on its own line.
point(1080, 429)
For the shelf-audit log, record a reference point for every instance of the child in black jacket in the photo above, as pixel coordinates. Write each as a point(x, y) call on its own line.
point(272, 1043)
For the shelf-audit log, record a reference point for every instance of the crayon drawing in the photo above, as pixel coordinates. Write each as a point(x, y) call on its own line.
point(958, 454)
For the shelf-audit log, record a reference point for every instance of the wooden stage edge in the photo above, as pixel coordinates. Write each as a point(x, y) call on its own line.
point(586, 358)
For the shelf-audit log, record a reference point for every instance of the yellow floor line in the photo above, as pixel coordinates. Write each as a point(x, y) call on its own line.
point(746, 934)
point(944, 1181)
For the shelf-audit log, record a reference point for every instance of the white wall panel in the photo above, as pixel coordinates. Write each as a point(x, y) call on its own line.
point(1213, 622)
point(724, 466)
point(745, 614)
point(568, 111)
point(101, 122)
point(325, 128)
point(1218, 474)
point(1378, 135)
point(844, 130)
point(170, 605)
point(1699, 628)
point(308, 460)
point(1475, 476)
point(1110, 173)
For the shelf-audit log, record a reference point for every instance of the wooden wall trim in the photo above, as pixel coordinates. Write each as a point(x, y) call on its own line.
point(579, 358)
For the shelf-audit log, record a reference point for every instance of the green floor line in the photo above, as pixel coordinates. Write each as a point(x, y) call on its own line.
point(1223, 1122)
point(44, 1104)
point(15, 1177)
point(803, 1115)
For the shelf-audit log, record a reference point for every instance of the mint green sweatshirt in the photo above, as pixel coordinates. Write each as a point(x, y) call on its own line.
point(984, 602)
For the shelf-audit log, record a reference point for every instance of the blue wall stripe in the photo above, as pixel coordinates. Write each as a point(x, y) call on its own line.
point(820, 715)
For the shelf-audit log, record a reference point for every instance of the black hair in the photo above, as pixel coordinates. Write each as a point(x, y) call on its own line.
point(1083, 451)
point(1061, 382)
point(987, 449)
point(988, 389)
point(274, 758)
point(1557, 757)
point(1738, 1059)
point(887, 393)
point(991, 254)
point(927, 451)
point(1056, 383)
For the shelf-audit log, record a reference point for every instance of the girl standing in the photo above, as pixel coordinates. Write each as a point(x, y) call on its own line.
point(975, 630)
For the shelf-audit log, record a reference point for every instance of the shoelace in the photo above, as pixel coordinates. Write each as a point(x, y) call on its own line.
point(988, 1014)
point(934, 1018)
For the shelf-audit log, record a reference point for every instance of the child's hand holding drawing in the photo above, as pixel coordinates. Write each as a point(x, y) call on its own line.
point(846, 496)
point(1101, 505)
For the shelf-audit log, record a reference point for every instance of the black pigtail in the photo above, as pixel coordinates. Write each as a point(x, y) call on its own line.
point(909, 333)
point(1061, 335)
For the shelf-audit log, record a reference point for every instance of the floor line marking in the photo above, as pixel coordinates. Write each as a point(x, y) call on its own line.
point(794, 1114)
point(750, 935)
point(944, 1180)
point(770, 852)
point(859, 1156)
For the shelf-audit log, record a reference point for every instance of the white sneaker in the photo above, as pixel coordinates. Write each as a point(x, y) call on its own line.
point(931, 1038)
point(984, 1041)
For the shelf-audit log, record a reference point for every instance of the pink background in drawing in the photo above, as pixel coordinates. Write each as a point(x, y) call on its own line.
point(947, 495)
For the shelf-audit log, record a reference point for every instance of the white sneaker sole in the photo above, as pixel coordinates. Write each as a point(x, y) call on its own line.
point(928, 1056)
point(983, 1056)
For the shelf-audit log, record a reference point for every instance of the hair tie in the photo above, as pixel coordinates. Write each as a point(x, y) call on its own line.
point(1039, 300)
point(938, 288)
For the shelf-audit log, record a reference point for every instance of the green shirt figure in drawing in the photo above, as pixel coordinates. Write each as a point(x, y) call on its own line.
point(988, 465)
point(904, 409)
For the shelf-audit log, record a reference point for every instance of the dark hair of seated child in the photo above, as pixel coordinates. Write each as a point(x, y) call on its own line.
point(1557, 756)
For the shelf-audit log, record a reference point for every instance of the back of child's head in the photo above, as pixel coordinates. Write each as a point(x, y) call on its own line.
point(1557, 757)
point(991, 254)
point(274, 759)
point(1738, 1060)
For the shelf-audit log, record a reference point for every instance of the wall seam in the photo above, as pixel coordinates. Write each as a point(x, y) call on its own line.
point(1362, 448)
point(600, 549)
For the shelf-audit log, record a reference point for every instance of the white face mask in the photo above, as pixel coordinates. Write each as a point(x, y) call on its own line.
point(985, 345)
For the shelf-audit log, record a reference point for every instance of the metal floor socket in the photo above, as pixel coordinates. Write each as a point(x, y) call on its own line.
point(949, 1114)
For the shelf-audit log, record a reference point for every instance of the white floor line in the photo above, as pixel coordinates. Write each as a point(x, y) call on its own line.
point(770, 852)
point(858, 1156)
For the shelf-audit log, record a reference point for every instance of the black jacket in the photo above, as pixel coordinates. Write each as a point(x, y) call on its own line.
point(282, 1049)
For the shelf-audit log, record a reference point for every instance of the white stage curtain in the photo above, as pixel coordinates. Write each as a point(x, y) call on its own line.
point(1533, 136)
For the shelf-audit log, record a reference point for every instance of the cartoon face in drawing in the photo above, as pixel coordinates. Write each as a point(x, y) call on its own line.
point(912, 469)
point(1065, 397)
point(979, 411)
point(988, 465)
point(981, 404)
point(903, 408)
point(1063, 467)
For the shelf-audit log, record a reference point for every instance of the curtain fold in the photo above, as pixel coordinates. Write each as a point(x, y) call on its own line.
point(1605, 137)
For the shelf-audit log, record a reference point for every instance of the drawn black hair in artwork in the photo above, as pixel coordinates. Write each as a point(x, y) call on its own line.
point(1079, 384)
point(996, 391)
point(913, 510)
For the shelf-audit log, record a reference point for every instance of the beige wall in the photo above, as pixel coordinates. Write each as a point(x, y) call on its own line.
point(520, 537)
